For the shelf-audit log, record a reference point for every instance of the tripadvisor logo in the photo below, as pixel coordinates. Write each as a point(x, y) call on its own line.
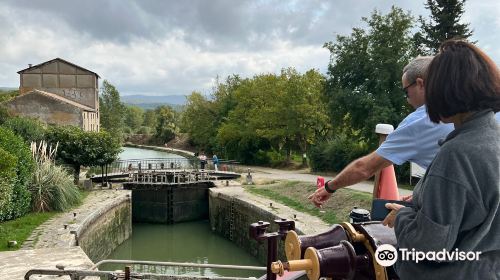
point(387, 255)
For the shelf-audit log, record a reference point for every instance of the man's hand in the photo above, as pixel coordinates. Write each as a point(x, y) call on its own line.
point(319, 197)
point(391, 217)
point(408, 198)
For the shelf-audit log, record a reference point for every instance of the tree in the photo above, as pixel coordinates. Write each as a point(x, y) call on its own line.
point(238, 133)
point(112, 111)
point(199, 120)
point(83, 148)
point(288, 109)
point(149, 119)
point(443, 25)
point(134, 117)
point(165, 124)
point(16, 169)
point(279, 112)
point(31, 130)
point(364, 75)
point(108, 150)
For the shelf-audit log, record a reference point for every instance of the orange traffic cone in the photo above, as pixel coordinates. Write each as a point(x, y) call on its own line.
point(387, 186)
point(320, 182)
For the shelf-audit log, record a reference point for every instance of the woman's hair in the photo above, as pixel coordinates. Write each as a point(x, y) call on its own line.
point(461, 78)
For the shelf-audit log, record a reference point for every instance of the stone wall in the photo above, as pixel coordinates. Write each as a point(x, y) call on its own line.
point(38, 106)
point(105, 229)
point(231, 215)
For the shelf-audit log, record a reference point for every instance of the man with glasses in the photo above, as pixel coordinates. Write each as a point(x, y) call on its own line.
point(415, 139)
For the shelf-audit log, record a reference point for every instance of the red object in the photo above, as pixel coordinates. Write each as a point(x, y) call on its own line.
point(387, 186)
point(320, 182)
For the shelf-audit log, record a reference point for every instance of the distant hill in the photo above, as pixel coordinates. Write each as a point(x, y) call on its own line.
point(152, 106)
point(8, 88)
point(7, 93)
point(152, 100)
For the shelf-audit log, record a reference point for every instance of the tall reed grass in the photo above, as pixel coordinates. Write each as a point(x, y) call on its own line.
point(52, 187)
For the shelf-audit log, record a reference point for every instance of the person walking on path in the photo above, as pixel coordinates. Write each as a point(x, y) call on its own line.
point(203, 160)
point(215, 160)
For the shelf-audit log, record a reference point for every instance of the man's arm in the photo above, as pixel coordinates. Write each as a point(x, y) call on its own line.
point(360, 170)
point(357, 171)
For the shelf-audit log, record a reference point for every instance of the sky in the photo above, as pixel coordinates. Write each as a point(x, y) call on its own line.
point(154, 47)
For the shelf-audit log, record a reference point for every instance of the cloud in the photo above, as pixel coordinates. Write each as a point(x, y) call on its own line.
point(175, 47)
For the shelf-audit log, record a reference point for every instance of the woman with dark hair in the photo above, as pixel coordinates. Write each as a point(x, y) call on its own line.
point(455, 220)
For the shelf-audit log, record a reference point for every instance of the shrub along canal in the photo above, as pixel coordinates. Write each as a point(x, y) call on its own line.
point(181, 242)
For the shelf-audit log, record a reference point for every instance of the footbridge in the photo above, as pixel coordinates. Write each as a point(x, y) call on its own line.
point(164, 171)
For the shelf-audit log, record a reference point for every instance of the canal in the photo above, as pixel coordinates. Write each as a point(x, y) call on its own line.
point(182, 242)
point(136, 153)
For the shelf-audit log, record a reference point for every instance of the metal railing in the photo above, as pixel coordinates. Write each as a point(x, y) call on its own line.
point(142, 270)
point(151, 170)
point(123, 166)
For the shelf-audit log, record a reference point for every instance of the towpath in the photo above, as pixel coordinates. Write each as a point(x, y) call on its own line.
point(53, 243)
point(305, 176)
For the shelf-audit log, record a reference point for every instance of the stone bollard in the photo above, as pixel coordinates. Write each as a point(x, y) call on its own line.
point(87, 184)
point(249, 178)
point(60, 266)
point(11, 243)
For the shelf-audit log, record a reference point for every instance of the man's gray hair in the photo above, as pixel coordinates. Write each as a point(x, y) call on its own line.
point(417, 68)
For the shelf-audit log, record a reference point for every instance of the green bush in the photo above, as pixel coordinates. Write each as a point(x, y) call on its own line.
point(270, 157)
point(127, 130)
point(31, 130)
point(276, 158)
point(262, 157)
point(7, 176)
point(8, 95)
point(144, 130)
point(52, 188)
point(19, 203)
point(4, 114)
point(336, 154)
point(403, 173)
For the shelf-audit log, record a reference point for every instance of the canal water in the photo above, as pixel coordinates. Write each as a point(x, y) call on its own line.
point(192, 242)
point(136, 153)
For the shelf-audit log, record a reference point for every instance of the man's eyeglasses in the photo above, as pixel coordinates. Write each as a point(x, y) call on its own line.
point(405, 89)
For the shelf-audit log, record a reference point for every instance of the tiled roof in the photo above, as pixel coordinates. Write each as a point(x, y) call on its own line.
point(59, 59)
point(59, 98)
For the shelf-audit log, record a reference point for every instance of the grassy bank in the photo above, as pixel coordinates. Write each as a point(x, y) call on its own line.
point(294, 194)
point(21, 228)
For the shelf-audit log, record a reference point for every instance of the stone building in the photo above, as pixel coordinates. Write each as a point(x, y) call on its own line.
point(58, 92)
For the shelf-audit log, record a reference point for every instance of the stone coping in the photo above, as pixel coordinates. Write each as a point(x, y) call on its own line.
point(53, 234)
point(15, 264)
point(51, 244)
